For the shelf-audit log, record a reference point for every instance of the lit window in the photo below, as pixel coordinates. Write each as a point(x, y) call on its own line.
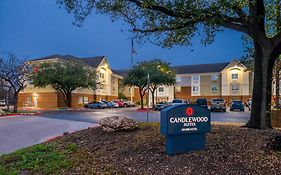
point(234, 76)
point(214, 88)
point(195, 88)
point(161, 89)
point(177, 88)
point(83, 100)
point(195, 77)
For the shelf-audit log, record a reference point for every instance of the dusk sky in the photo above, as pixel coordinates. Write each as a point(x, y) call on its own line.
point(38, 28)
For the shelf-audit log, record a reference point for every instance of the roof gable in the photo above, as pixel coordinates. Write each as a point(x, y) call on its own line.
point(93, 61)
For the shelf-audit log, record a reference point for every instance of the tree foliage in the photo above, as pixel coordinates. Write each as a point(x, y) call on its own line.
point(13, 73)
point(159, 73)
point(175, 22)
point(65, 77)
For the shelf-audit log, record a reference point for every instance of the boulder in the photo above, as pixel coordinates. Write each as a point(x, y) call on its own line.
point(118, 123)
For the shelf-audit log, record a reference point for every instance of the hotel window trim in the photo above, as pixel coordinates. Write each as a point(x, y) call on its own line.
point(161, 89)
point(234, 76)
point(195, 88)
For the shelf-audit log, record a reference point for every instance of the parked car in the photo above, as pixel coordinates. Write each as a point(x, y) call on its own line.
point(237, 105)
point(108, 104)
point(132, 104)
point(119, 102)
point(2, 103)
point(161, 105)
point(128, 103)
point(96, 105)
point(218, 105)
point(178, 101)
point(250, 104)
point(202, 102)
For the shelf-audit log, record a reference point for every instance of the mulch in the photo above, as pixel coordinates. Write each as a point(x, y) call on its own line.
point(230, 149)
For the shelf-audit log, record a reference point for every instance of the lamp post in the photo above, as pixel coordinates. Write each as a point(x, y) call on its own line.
point(148, 84)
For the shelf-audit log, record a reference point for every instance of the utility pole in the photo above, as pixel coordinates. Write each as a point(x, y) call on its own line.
point(148, 85)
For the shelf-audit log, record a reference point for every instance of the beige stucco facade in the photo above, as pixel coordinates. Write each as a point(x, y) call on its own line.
point(50, 98)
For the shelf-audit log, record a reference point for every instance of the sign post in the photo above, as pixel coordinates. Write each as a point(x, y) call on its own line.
point(185, 127)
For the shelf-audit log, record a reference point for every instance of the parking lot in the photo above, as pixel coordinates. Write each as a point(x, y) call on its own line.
point(22, 131)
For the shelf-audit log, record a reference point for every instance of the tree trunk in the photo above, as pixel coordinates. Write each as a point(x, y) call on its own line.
point(152, 96)
point(68, 99)
point(262, 91)
point(277, 83)
point(16, 102)
point(141, 97)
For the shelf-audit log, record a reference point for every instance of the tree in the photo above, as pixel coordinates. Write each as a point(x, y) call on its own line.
point(160, 74)
point(172, 22)
point(65, 77)
point(137, 76)
point(13, 73)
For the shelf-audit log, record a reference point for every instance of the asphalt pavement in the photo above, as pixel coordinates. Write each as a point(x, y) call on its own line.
point(22, 131)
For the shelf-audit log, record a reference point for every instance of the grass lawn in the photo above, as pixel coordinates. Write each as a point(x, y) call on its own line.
point(230, 149)
point(38, 159)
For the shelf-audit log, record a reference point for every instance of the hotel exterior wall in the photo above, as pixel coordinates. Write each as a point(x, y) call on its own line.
point(46, 100)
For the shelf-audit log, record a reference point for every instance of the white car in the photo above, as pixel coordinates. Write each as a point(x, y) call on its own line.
point(250, 105)
point(179, 101)
point(2, 103)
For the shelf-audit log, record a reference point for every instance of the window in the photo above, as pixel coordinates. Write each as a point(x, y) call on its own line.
point(195, 88)
point(234, 76)
point(101, 75)
point(161, 89)
point(235, 87)
point(83, 100)
point(214, 77)
point(178, 79)
point(214, 88)
point(178, 89)
point(195, 77)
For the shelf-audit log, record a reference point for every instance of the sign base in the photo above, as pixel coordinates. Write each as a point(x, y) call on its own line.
point(177, 144)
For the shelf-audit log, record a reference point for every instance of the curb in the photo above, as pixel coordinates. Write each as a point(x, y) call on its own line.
point(16, 114)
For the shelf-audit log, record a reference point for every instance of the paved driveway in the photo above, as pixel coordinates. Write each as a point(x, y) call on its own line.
point(22, 131)
point(154, 116)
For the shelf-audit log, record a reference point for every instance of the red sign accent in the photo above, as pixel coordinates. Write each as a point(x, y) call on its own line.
point(189, 111)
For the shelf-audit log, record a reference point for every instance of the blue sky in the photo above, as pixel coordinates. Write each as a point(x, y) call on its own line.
point(37, 28)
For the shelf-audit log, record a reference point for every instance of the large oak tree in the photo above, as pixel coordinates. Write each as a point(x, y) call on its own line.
point(65, 77)
point(171, 22)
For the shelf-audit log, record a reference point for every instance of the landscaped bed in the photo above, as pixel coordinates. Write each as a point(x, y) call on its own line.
point(230, 149)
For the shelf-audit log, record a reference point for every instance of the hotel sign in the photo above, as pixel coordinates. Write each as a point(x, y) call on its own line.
point(185, 127)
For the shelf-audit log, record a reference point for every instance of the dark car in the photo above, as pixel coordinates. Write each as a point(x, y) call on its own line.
point(202, 102)
point(161, 105)
point(237, 105)
point(96, 105)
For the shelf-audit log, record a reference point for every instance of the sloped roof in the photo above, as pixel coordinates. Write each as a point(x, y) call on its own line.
point(199, 68)
point(122, 72)
point(90, 61)
point(93, 61)
point(187, 69)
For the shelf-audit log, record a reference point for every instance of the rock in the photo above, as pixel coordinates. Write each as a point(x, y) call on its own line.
point(118, 123)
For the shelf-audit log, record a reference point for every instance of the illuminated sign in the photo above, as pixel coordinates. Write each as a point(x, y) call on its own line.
point(183, 125)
